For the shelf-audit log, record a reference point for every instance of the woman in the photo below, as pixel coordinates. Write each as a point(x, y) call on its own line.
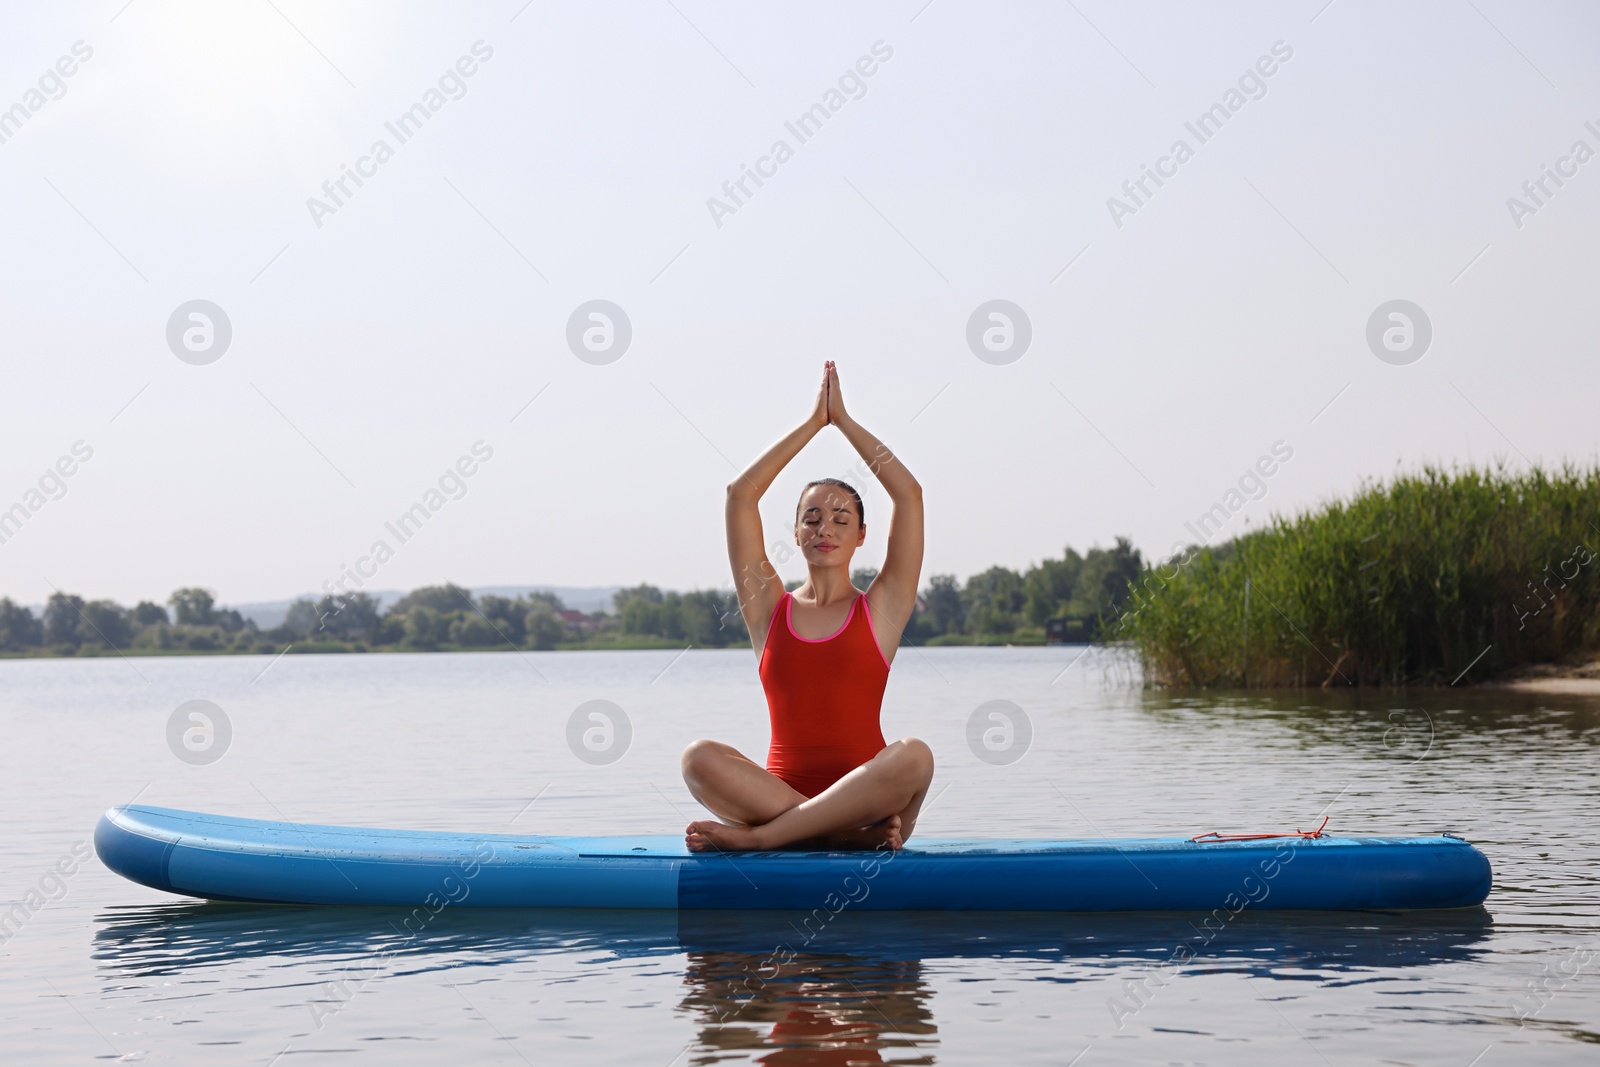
point(823, 655)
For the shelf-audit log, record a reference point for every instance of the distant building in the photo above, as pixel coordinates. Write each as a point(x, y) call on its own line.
point(1065, 632)
point(578, 621)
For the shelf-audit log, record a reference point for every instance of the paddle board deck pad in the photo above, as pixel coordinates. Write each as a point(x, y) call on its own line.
point(221, 858)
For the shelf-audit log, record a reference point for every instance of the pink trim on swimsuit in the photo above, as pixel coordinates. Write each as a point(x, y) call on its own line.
point(788, 619)
point(786, 605)
point(867, 608)
point(766, 641)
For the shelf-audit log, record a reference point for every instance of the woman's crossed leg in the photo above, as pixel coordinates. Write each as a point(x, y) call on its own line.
point(875, 804)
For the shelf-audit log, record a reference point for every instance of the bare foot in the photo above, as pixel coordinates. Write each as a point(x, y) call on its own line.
point(710, 836)
point(878, 835)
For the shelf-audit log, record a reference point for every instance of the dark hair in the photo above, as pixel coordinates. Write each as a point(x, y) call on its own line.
point(861, 512)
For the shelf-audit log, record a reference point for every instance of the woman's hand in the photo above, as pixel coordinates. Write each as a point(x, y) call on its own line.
point(836, 412)
point(819, 416)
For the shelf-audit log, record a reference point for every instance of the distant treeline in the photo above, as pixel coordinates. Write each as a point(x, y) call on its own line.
point(427, 619)
point(1434, 578)
point(1066, 599)
point(1073, 598)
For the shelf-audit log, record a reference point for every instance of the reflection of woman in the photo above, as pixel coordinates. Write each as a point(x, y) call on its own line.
point(821, 1009)
point(824, 653)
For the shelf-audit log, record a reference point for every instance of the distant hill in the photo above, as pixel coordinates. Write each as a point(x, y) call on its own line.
point(269, 613)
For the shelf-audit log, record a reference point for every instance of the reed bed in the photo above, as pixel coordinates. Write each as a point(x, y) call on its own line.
point(1433, 578)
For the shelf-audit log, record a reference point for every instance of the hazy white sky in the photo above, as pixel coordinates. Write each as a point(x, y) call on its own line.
point(375, 340)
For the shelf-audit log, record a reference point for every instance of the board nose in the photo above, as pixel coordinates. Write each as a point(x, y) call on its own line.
point(131, 854)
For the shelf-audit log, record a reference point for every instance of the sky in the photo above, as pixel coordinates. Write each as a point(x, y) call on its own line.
point(386, 338)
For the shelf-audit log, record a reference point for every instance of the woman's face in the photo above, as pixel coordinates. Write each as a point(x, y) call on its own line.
point(829, 530)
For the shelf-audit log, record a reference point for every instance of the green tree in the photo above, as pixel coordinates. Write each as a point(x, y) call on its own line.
point(1049, 587)
point(473, 631)
point(301, 620)
point(994, 600)
point(18, 628)
point(1103, 584)
point(642, 610)
point(391, 630)
point(229, 620)
point(507, 616)
point(146, 613)
point(63, 612)
point(104, 623)
point(946, 610)
point(192, 606)
point(423, 626)
point(543, 628)
point(699, 619)
point(541, 596)
point(438, 598)
point(647, 593)
point(730, 622)
point(350, 617)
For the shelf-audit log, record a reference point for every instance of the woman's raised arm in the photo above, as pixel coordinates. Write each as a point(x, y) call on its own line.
point(893, 593)
point(755, 580)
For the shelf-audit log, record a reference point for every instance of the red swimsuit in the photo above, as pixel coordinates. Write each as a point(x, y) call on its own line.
point(824, 696)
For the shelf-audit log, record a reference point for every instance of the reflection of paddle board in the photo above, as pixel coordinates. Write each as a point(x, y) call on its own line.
point(223, 858)
point(155, 938)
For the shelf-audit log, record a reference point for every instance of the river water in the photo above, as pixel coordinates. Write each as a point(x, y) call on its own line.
point(97, 968)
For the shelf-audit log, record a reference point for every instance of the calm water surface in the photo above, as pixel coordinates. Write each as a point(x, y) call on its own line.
point(107, 970)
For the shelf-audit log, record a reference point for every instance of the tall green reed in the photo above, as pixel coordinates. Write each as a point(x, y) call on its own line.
point(1409, 582)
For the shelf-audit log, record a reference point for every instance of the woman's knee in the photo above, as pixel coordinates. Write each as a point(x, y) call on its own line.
point(915, 757)
point(701, 753)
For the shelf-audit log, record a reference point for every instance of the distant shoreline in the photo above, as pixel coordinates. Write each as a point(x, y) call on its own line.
point(1054, 602)
point(630, 643)
point(310, 648)
point(1551, 679)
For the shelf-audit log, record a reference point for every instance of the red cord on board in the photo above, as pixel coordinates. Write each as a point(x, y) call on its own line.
point(1307, 834)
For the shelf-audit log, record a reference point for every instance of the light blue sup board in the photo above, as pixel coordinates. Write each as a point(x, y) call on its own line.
point(220, 858)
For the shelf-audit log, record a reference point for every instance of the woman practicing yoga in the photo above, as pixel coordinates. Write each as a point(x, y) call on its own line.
point(823, 656)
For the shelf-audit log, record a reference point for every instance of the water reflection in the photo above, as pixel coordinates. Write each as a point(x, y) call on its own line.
point(1403, 725)
point(767, 984)
point(182, 937)
point(179, 937)
point(817, 1008)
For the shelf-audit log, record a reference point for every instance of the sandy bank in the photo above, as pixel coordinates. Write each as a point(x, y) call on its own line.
point(1556, 678)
